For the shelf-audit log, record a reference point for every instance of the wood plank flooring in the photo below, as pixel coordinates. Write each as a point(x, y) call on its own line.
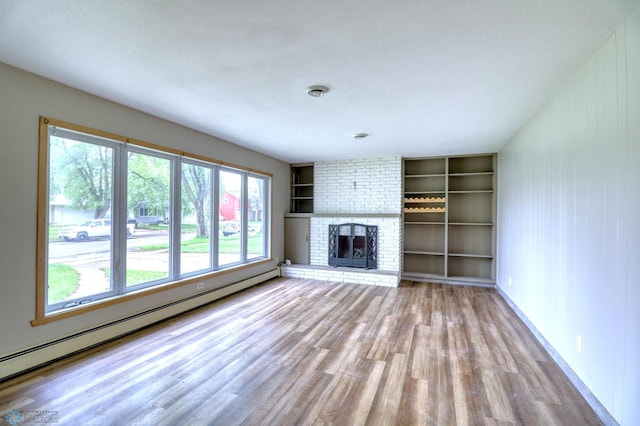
point(302, 352)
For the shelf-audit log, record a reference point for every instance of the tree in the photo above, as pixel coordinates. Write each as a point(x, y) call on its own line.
point(196, 186)
point(148, 183)
point(255, 191)
point(83, 173)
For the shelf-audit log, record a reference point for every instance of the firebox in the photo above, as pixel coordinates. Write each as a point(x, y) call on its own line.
point(355, 245)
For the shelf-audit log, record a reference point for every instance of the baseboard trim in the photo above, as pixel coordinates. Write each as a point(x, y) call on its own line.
point(18, 363)
point(586, 393)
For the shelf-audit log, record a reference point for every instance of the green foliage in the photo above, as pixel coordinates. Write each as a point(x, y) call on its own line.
point(63, 280)
point(226, 245)
point(53, 232)
point(136, 276)
point(82, 172)
point(196, 188)
point(195, 245)
point(148, 183)
point(153, 227)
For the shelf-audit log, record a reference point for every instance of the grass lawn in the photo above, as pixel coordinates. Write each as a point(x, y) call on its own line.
point(63, 281)
point(226, 245)
point(195, 245)
point(135, 276)
point(186, 227)
point(53, 232)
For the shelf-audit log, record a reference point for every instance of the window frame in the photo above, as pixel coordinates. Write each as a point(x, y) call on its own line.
point(119, 212)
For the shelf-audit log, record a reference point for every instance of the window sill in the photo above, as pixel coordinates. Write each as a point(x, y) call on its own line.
point(75, 311)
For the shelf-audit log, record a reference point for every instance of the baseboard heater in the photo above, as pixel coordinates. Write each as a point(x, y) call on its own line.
point(20, 362)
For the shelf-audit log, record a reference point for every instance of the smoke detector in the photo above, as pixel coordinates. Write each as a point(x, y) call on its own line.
point(317, 91)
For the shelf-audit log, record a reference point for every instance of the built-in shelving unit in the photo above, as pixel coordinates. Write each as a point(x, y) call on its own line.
point(448, 216)
point(302, 188)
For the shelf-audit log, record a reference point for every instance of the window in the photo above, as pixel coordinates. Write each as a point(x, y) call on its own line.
point(230, 218)
point(148, 183)
point(196, 212)
point(147, 212)
point(256, 225)
point(118, 217)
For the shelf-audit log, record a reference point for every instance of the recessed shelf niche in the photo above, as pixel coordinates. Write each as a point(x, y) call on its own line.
point(302, 188)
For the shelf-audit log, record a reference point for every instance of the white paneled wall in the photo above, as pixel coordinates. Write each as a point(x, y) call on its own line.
point(569, 222)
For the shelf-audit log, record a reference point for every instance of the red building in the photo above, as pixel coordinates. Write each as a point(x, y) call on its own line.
point(229, 206)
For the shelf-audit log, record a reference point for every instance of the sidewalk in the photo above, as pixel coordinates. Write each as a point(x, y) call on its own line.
point(93, 280)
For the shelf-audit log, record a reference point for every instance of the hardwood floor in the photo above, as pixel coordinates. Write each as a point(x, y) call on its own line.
point(310, 352)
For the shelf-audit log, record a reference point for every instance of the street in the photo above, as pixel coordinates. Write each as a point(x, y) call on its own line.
point(60, 249)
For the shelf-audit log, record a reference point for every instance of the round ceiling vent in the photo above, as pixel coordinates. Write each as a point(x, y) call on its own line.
point(359, 136)
point(317, 91)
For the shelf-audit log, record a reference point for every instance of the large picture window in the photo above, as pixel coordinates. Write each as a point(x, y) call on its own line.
point(118, 217)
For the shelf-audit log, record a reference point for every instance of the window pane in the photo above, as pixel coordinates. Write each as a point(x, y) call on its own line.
point(230, 190)
point(255, 217)
point(148, 192)
point(195, 243)
point(79, 245)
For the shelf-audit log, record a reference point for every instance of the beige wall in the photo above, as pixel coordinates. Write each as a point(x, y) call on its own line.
point(23, 98)
point(569, 222)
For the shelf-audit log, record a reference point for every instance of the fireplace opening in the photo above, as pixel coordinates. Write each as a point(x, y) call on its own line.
point(354, 245)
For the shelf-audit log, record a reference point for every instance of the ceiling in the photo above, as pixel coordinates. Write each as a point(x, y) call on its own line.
point(421, 77)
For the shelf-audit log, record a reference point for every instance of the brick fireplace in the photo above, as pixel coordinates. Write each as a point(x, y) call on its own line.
point(366, 192)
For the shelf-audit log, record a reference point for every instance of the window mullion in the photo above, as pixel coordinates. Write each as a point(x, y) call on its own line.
point(175, 221)
point(244, 217)
point(266, 214)
point(215, 214)
point(119, 221)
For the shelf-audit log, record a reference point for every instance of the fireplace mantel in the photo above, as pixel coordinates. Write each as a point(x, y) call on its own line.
point(345, 214)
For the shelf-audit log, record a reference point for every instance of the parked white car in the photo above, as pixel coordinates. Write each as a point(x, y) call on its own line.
point(91, 229)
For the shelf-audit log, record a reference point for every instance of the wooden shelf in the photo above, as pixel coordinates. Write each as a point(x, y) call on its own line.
point(426, 167)
point(425, 200)
point(433, 264)
point(471, 174)
point(431, 253)
point(449, 204)
point(424, 192)
point(424, 176)
point(424, 210)
point(302, 188)
point(471, 164)
point(482, 256)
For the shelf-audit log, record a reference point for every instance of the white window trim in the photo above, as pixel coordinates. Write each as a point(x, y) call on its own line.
point(119, 290)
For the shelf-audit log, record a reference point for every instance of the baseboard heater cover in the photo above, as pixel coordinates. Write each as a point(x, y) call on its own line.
point(28, 359)
point(600, 410)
